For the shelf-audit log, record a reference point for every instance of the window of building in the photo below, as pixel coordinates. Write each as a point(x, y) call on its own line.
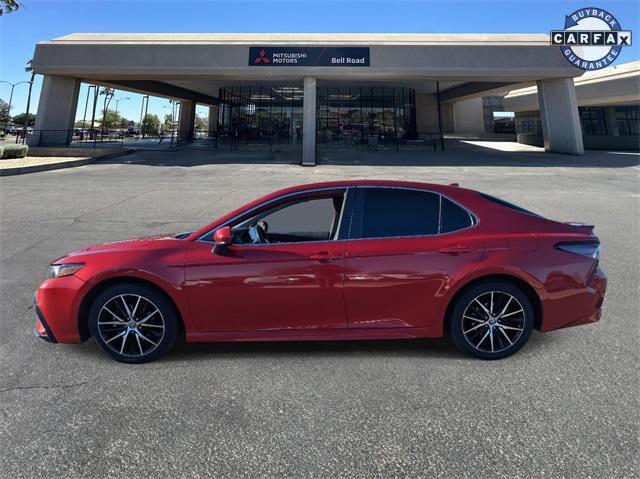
point(592, 119)
point(628, 119)
point(260, 114)
point(528, 126)
point(351, 116)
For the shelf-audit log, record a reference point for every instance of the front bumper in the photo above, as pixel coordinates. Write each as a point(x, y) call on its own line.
point(56, 303)
point(42, 329)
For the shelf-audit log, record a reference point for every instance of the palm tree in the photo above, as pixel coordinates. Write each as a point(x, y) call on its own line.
point(8, 6)
point(108, 95)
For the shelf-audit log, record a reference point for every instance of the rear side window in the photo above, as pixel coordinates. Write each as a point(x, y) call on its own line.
point(506, 204)
point(453, 217)
point(390, 212)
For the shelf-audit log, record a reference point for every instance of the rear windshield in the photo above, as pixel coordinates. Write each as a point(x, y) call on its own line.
point(506, 204)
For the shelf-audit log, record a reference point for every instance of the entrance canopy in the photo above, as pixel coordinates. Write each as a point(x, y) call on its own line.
point(416, 73)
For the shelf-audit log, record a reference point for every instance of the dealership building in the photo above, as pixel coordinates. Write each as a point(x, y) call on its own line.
point(608, 106)
point(317, 89)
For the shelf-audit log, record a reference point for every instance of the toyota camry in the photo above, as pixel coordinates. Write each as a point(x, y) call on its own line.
point(333, 261)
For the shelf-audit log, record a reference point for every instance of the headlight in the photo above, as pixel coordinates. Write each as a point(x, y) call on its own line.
point(60, 270)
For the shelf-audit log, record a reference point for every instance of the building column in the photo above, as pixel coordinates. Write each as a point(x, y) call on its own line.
point(213, 121)
point(449, 117)
point(559, 116)
point(56, 111)
point(309, 122)
point(186, 120)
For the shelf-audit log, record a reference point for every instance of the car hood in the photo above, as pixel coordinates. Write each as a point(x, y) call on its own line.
point(124, 245)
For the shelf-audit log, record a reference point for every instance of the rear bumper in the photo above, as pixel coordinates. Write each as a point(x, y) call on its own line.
point(582, 306)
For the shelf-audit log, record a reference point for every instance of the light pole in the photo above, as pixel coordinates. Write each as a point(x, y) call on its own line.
point(86, 104)
point(145, 101)
point(13, 85)
point(118, 100)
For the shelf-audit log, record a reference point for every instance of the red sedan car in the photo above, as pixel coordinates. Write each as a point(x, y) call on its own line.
point(342, 260)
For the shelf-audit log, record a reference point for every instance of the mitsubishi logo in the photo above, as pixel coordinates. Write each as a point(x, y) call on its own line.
point(262, 58)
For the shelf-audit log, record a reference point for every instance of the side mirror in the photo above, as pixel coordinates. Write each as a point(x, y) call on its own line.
point(223, 239)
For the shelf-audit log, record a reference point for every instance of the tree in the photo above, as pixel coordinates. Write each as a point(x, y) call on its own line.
point(124, 123)
point(20, 119)
point(111, 119)
point(4, 111)
point(168, 122)
point(202, 123)
point(108, 95)
point(8, 6)
point(150, 124)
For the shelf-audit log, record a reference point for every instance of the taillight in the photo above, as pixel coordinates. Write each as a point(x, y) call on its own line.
point(590, 249)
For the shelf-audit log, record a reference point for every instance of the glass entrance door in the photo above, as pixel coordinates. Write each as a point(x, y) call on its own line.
point(357, 116)
point(260, 114)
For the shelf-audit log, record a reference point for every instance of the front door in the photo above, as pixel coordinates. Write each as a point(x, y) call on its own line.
point(284, 270)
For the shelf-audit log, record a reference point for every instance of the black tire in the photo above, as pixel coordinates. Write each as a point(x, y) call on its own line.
point(143, 340)
point(497, 338)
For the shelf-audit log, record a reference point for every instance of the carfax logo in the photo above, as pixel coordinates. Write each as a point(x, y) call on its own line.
point(592, 38)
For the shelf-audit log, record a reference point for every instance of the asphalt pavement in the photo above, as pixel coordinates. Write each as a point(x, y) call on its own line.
point(565, 406)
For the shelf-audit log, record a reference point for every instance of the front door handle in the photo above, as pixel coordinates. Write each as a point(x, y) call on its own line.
point(325, 256)
point(455, 249)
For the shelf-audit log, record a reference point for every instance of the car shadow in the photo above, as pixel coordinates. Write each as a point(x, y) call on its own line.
point(427, 348)
point(436, 348)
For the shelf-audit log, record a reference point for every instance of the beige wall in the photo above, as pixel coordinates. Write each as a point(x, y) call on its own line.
point(426, 113)
point(449, 121)
point(468, 116)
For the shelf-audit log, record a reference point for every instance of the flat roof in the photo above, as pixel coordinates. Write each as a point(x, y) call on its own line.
point(614, 72)
point(484, 39)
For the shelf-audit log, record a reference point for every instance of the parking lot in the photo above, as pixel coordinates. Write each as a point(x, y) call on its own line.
point(564, 406)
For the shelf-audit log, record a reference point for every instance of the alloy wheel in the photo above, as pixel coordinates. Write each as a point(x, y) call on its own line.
point(131, 325)
point(493, 321)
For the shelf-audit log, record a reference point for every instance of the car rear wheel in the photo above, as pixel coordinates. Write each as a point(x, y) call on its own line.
point(133, 323)
point(491, 320)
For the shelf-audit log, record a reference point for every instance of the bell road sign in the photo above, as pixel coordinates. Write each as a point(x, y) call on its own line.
point(309, 56)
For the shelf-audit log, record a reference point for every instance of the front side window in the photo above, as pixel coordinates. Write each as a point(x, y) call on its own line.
point(303, 220)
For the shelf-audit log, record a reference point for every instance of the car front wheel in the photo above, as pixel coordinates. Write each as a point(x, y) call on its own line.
point(491, 320)
point(133, 323)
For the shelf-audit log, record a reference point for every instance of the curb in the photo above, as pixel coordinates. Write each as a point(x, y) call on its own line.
point(21, 170)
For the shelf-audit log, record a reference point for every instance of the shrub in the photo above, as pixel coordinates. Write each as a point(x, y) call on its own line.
point(14, 151)
point(1, 151)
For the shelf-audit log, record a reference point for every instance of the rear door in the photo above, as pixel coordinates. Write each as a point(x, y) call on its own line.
point(405, 248)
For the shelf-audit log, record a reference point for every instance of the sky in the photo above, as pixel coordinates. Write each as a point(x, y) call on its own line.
point(40, 20)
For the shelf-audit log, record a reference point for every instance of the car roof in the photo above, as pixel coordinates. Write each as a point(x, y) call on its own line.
point(352, 183)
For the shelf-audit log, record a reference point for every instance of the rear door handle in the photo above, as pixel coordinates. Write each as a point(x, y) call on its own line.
point(455, 249)
point(325, 256)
